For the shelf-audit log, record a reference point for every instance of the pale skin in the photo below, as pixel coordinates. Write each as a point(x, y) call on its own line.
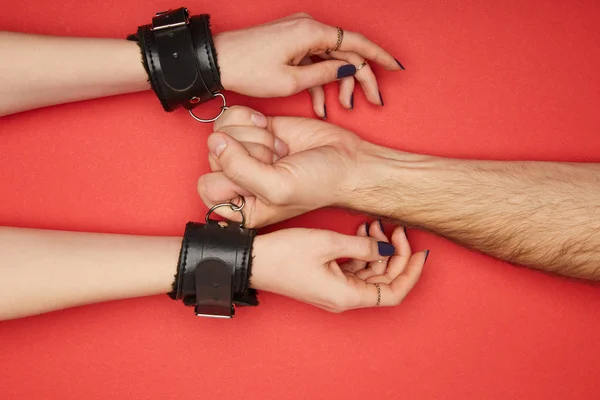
point(67, 269)
point(49, 70)
point(543, 215)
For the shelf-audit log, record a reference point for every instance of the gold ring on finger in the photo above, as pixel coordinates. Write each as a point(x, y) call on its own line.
point(340, 37)
point(361, 66)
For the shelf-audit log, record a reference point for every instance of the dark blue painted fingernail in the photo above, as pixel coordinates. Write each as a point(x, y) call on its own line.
point(381, 99)
point(386, 249)
point(352, 101)
point(400, 65)
point(345, 71)
point(367, 228)
point(324, 111)
point(381, 226)
point(426, 255)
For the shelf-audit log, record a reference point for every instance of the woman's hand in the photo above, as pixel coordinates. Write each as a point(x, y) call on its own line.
point(301, 264)
point(273, 60)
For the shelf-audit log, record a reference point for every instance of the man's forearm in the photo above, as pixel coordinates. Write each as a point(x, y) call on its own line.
point(539, 214)
point(40, 71)
point(43, 270)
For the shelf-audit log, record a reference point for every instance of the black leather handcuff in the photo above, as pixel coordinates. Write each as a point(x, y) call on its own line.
point(181, 61)
point(214, 268)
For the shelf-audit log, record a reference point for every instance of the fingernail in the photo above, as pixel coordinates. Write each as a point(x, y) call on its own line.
point(381, 99)
point(381, 225)
point(386, 249)
point(367, 228)
point(324, 111)
point(280, 147)
point(216, 145)
point(426, 255)
point(400, 65)
point(259, 120)
point(345, 71)
point(352, 101)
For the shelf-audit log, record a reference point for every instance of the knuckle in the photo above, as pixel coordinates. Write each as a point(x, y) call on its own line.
point(308, 27)
point(290, 85)
point(266, 155)
point(266, 138)
point(360, 37)
point(365, 247)
point(325, 73)
point(376, 58)
point(234, 170)
point(204, 191)
point(330, 239)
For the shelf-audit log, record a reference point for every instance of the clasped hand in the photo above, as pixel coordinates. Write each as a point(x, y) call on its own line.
point(286, 166)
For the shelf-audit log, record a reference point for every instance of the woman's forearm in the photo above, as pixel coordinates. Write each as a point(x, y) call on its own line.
point(44, 270)
point(40, 71)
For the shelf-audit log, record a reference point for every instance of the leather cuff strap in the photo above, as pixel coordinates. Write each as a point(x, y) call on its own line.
point(215, 267)
point(181, 59)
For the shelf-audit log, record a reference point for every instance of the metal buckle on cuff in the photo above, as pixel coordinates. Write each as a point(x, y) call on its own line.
point(224, 107)
point(170, 19)
point(215, 316)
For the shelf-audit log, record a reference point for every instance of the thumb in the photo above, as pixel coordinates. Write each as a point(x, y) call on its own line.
point(239, 166)
point(359, 248)
point(320, 73)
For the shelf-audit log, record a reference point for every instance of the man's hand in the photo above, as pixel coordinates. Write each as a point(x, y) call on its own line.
point(274, 60)
point(283, 166)
point(539, 214)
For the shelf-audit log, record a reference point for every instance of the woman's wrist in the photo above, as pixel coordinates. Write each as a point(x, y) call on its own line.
point(260, 267)
point(226, 69)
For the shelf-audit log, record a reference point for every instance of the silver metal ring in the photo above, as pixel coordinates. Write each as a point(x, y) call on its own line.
point(223, 108)
point(241, 206)
point(234, 207)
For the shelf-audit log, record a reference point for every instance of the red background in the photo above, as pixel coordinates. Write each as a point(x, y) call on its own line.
point(496, 80)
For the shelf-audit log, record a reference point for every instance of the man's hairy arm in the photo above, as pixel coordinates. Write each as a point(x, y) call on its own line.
point(539, 214)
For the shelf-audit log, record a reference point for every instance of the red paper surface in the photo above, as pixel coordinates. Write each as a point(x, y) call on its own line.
point(497, 80)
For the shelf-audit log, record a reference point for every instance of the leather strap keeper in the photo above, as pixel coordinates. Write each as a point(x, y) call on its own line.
point(181, 59)
point(214, 268)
